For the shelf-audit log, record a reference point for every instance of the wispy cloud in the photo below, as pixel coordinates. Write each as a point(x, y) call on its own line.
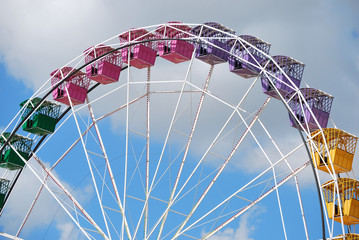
point(68, 230)
point(246, 227)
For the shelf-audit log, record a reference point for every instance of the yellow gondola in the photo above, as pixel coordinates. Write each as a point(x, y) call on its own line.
point(341, 146)
point(348, 200)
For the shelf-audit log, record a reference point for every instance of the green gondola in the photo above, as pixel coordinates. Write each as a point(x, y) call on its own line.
point(43, 120)
point(18, 147)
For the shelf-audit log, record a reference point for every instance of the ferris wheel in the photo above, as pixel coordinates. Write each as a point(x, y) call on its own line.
point(179, 131)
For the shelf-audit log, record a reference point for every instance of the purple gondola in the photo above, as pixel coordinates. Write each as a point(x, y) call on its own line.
point(105, 70)
point(141, 55)
point(246, 60)
point(175, 51)
point(275, 77)
point(74, 88)
point(214, 51)
point(318, 102)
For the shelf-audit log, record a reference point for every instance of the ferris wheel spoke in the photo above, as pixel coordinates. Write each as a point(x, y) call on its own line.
point(279, 204)
point(216, 139)
point(242, 189)
point(292, 174)
point(178, 198)
point(32, 206)
point(169, 203)
point(90, 169)
point(273, 170)
point(222, 167)
point(295, 177)
point(127, 127)
point(215, 97)
point(171, 124)
point(169, 167)
point(214, 142)
point(170, 129)
point(147, 151)
point(69, 196)
point(190, 137)
point(108, 165)
point(46, 177)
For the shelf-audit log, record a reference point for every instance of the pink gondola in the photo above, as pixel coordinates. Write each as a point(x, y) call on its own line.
point(140, 55)
point(106, 69)
point(73, 89)
point(175, 50)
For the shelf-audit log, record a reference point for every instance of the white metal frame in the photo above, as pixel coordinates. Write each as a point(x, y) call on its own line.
point(149, 185)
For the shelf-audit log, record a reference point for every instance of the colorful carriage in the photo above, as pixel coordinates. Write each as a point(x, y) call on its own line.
point(333, 147)
point(304, 114)
point(342, 201)
point(43, 120)
point(174, 50)
point(105, 64)
point(283, 73)
point(15, 152)
point(73, 90)
point(215, 50)
point(245, 59)
point(142, 54)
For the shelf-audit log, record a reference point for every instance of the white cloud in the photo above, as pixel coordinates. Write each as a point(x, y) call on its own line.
point(316, 34)
point(69, 231)
point(38, 37)
point(246, 227)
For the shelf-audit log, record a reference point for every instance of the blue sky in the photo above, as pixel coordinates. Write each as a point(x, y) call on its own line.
point(38, 37)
